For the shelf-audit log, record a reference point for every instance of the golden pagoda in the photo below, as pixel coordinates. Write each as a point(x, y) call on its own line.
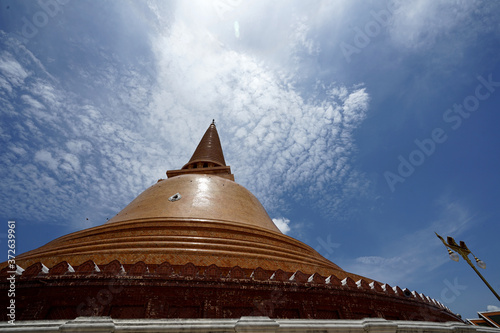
point(199, 245)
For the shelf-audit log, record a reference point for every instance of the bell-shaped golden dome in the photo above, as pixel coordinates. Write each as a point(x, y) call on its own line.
point(197, 215)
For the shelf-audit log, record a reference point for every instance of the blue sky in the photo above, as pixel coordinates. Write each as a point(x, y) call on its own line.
point(362, 126)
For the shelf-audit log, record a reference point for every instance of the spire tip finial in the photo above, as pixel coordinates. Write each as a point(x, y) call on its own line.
point(213, 121)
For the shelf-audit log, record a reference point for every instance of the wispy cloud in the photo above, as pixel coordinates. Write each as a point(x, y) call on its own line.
point(64, 153)
point(274, 139)
point(96, 142)
point(11, 70)
point(418, 251)
point(419, 25)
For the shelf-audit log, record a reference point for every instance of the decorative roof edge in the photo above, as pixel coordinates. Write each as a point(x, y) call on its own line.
point(213, 273)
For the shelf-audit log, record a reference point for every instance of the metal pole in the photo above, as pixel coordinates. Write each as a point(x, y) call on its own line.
point(482, 278)
point(464, 252)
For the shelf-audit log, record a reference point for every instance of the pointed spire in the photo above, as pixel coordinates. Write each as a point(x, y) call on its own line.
point(209, 151)
point(208, 157)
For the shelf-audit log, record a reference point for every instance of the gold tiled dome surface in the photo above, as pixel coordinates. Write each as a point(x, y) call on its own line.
point(199, 197)
point(213, 221)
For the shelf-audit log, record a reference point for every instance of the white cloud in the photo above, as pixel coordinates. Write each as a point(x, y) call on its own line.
point(492, 308)
point(46, 92)
point(283, 224)
point(135, 122)
point(18, 150)
point(374, 260)
point(79, 146)
point(420, 24)
point(5, 85)
point(73, 161)
point(12, 70)
point(47, 159)
point(63, 151)
point(273, 138)
point(32, 102)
